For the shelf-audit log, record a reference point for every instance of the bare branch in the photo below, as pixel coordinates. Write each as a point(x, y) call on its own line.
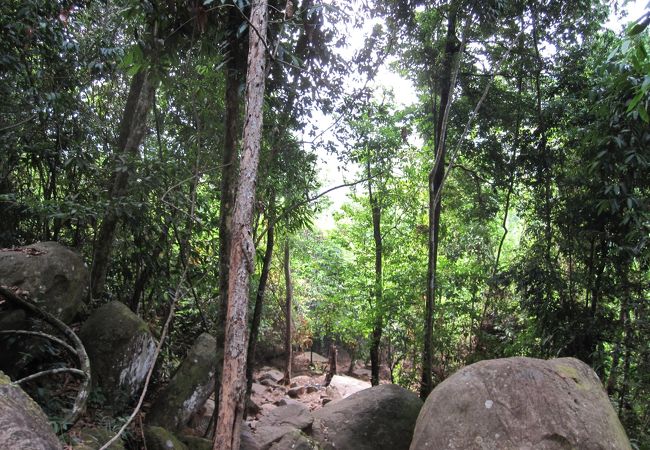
point(33, 376)
point(61, 342)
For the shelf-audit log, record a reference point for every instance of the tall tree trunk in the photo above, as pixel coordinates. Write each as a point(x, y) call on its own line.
point(229, 163)
point(288, 354)
point(133, 128)
point(242, 254)
point(259, 298)
point(452, 48)
point(378, 288)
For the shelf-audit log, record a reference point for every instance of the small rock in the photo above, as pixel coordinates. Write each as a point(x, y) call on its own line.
point(296, 392)
point(311, 389)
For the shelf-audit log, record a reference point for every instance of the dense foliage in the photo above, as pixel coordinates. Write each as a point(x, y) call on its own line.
point(113, 126)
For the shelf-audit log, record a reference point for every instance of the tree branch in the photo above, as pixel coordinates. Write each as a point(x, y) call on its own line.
point(61, 342)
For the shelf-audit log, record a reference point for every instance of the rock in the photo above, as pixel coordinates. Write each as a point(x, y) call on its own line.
point(380, 418)
point(23, 425)
point(347, 386)
point(252, 408)
point(280, 421)
point(311, 389)
point(14, 319)
point(188, 389)
point(121, 351)
point(520, 403)
point(196, 443)
point(270, 374)
point(362, 374)
point(296, 391)
point(294, 440)
point(55, 277)
point(94, 438)
point(160, 439)
point(258, 389)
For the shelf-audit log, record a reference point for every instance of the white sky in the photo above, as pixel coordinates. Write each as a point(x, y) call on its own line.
point(405, 94)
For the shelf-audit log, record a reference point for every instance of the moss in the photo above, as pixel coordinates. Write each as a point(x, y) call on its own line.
point(159, 438)
point(4, 379)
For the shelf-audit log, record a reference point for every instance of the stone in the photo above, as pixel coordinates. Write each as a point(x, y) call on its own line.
point(296, 415)
point(294, 440)
point(380, 418)
point(160, 439)
point(23, 425)
point(347, 386)
point(311, 389)
point(14, 319)
point(296, 391)
point(520, 403)
point(56, 277)
point(121, 351)
point(94, 438)
point(273, 375)
point(280, 421)
point(258, 389)
point(252, 408)
point(189, 388)
point(196, 443)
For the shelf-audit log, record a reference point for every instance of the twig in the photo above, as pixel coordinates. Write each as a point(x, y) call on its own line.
point(15, 125)
point(61, 342)
point(84, 362)
point(50, 372)
point(293, 206)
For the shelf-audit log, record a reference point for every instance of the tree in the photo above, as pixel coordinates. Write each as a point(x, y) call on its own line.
point(233, 382)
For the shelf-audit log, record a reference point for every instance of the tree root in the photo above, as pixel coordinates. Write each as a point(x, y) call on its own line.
point(77, 347)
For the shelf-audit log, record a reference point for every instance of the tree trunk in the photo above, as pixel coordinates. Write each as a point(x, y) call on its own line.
point(332, 365)
point(436, 177)
point(133, 128)
point(242, 254)
point(287, 313)
point(259, 300)
point(378, 288)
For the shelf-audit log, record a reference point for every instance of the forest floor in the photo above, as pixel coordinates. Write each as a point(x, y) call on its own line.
point(307, 387)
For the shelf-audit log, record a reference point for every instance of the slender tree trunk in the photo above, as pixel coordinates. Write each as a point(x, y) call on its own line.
point(242, 254)
point(288, 354)
point(259, 299)
point(436, 176)
point(229, 163)
point(133, 128)
point(378, 288)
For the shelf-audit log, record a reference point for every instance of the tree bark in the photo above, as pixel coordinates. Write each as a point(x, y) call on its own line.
point(133, 128)
point(287, 313)
point(242, 254)
point(378, 288)
point(436, 177)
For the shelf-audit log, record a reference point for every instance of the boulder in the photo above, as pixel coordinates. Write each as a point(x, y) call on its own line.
point(295, 440)
point(55, 277)
point(380, 418)
point(188, 389)
point(347, 386)
point(121, 351)
point(160, 439)
point(23, 425)
point(280, 421)
point(269, 374)
point(520, 403)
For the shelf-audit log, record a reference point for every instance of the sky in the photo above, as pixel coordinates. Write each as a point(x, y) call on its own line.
point(406, 95)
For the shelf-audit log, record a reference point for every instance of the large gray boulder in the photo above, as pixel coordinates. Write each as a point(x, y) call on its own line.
point(55, 277)
point(378, 418)
point(282, 420)
point(121, 351)
point(520, 403)
point(23, 425)
point(189, 388)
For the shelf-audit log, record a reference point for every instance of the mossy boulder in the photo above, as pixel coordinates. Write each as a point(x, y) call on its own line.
point(520, 403)
point(160, 439)
point(189, 388)
point(121, 350)
point(56, 277)
point(23, 425)
point(379, 418)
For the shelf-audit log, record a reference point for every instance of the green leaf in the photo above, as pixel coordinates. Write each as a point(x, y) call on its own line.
point(635, 101)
